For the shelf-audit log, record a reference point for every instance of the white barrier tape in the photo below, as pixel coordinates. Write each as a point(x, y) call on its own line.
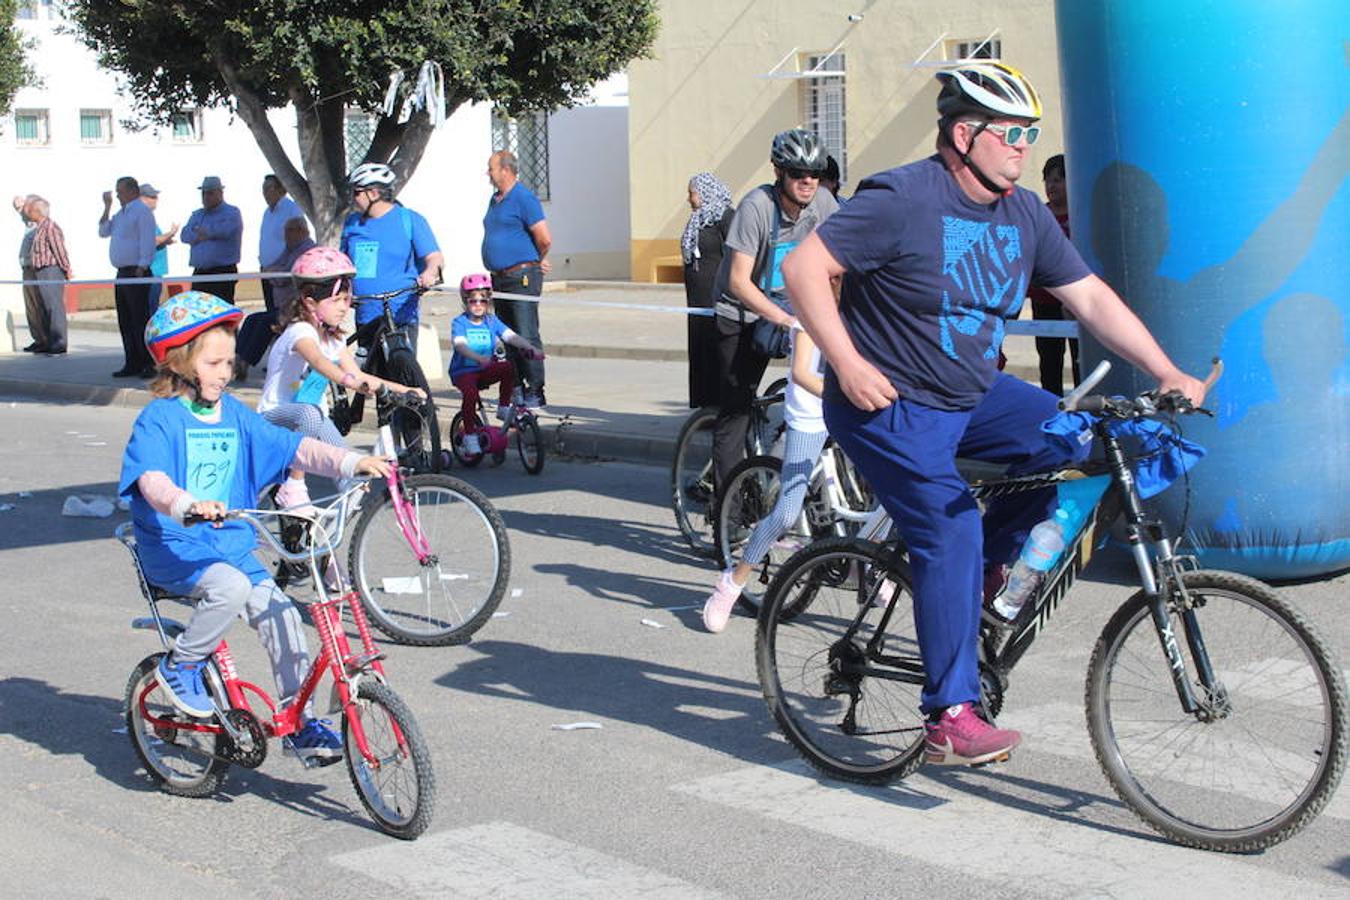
point(1058, 328)
point(156, 279)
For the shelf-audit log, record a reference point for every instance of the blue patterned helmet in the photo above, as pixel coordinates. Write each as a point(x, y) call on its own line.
point(183, 316)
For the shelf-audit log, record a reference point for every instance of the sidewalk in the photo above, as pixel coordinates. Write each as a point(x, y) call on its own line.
point(617, 377)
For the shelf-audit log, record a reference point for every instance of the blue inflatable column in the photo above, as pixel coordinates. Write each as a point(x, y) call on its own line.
point(1208, 144)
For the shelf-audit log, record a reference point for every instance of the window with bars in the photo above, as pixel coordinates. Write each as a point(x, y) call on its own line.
point(187, 126)
point(30, 127)
point(360, 132)
point(526, 136)
point(95, 126)
point(823, 106)
point(991, 48)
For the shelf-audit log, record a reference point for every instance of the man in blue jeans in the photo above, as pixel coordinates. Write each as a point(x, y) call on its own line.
point(935, 256)
point(516, 241)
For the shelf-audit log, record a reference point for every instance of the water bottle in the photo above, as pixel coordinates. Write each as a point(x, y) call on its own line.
point(1039, 554)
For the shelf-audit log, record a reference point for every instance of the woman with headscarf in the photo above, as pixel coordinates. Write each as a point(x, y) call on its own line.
point(701, 249)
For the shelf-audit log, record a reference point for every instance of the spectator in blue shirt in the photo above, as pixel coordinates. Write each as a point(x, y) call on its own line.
point(516, 241)
point(215, 233)
point(131, 249)
point(272, 233)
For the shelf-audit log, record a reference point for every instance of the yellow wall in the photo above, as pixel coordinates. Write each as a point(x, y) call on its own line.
point(698, 105)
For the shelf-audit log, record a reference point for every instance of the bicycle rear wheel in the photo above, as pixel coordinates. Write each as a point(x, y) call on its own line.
point(396, 785)
point(448, 596)
point(1266, 750)
point(849, 705)
point(530, 444)
point(182, 761)
point(751, 493)
point(691, 480)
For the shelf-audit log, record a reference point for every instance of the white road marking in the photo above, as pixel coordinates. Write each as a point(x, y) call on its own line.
point(499, 859)
point(942, 825)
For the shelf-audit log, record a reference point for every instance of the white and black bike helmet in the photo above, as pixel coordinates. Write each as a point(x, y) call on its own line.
point(372, 175)
point(991, 90)
point(799, 149)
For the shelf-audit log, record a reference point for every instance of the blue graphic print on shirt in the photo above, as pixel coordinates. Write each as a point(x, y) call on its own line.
point(986, 269)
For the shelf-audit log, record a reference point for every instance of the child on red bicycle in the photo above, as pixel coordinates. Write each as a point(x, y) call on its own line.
point(198, 452)
point(475, 335)
point(310, 353)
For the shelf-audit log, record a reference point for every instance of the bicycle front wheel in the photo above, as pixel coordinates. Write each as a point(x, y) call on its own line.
point(183, 761)
point(838, 660)
point(417, 432)
point(530, 444)
point(1265, 751)
point(447, 596)
point(394, 779)
point(691, 480)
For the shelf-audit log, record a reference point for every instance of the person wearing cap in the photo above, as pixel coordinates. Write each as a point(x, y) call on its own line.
point(934, 256)
point(159, 266)
point(214, 233)
point(131, 249)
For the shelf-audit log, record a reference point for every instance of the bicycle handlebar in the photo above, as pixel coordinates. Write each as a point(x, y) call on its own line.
point(1146, 404)
point(413, 288)
point(406, 399)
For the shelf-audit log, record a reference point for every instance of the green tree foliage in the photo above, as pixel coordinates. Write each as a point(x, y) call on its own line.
point(323, 57)
point(14, 71)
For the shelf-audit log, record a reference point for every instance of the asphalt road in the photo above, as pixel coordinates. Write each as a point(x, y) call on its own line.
point(686, 791)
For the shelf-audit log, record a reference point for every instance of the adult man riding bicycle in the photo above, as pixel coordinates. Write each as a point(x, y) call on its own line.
point(769, 222)
point(936, 254)
point(393, 248)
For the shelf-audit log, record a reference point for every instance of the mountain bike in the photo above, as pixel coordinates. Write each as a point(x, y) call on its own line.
point(1214, 707)
point(521, 420)
point(691, 472)
point(838, 503)
point(388, 760)
point(391, 355)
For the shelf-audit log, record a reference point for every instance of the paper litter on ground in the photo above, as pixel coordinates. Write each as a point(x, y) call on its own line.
point(577, 726)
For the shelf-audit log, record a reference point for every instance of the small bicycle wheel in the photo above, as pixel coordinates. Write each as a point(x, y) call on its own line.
point(839, 663)
point(395, 780)
point(1263, 753)
point(691, 480)
point(448, 595)
point(466, 459)
point(530, 444)
point(184, 761)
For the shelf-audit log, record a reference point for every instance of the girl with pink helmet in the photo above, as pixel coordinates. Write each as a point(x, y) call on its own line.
point(309, 354)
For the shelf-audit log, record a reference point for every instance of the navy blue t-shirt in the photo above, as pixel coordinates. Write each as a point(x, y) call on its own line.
point(932, 275)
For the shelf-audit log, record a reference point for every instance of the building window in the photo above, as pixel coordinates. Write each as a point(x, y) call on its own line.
point(526, 136)
point(30, 127)
point(187, 126)
point(95, 126)
point(360, 132)
point(33, 9)
point(989, 48)
point(823, 106)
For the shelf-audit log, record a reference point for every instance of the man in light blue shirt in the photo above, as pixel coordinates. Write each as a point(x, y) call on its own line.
point(131, 249)
point(272, 234)
point(215, 233)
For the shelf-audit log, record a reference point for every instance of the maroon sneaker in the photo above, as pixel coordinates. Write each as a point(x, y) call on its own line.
point(961, 738)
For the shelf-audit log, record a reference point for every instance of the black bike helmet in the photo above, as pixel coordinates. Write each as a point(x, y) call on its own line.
point(798, 148)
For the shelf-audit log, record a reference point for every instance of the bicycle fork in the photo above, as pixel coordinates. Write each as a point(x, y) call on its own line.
point(408, 523)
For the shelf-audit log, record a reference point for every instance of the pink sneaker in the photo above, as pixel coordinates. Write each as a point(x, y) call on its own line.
point(292, 493)
point(717, 610)
point(961, 738)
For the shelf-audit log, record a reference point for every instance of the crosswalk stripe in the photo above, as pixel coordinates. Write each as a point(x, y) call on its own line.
point(500, 859)
point(942, 825)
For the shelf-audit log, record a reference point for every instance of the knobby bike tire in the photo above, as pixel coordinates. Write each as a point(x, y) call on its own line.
point(528, 435)
point(1282, 687)
point(456, 435)
point(469, 544)
point(403, 368)
point(151, 742)
point(693, 513)
point(400, 791)
point(800, 654)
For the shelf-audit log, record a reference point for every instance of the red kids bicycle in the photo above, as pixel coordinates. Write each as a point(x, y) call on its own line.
point(387, 757)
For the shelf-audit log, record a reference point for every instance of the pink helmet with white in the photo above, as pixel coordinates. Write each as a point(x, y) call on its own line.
point(321, 264)
point(474, 281)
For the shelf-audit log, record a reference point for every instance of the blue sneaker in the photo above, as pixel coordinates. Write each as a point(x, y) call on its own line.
point(186, 686)
point(316, 743)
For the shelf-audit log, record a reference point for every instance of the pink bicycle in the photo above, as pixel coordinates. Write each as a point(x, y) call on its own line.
point(387, 757)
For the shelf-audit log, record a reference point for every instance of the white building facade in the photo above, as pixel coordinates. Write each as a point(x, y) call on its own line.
point(71, 137)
